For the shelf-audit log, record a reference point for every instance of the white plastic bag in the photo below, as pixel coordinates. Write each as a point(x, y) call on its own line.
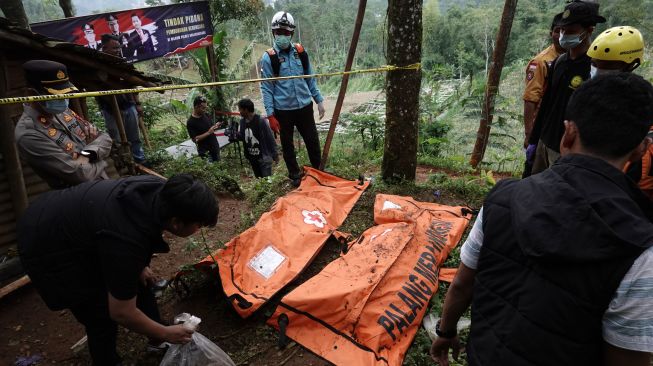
point(200, 351)
point(431, 319)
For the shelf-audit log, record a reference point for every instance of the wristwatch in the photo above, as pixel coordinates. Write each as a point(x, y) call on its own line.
point(450, 334)
point(90, 154)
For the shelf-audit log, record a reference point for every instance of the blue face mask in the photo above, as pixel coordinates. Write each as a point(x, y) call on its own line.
point(571, 41)
point(55, 106)
point(283, 42)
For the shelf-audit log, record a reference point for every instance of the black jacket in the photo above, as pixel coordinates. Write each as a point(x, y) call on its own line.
point(556, 246)
point(260, 143)
point(96, 237)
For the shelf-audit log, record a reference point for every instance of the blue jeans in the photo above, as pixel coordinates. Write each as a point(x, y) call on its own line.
point(130, 119)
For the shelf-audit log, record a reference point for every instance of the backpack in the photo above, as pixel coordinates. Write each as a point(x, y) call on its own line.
point(276, 64)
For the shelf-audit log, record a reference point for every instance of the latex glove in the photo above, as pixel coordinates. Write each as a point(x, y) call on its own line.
point(530, 153)
point(320, 109)
point(274, 124)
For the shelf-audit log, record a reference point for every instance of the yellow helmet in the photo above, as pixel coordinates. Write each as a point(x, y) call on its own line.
point(618, 44)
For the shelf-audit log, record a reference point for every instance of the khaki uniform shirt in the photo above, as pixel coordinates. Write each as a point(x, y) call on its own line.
point(37, 136)
point(536, 73)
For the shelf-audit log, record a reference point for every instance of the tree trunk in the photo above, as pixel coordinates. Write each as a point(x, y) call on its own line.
point(14, 10)
point(493, 79)
point(404, 47)
point(362, 4)
point(67, 7)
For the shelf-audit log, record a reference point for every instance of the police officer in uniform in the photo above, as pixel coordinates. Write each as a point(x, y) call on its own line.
point(61, 147)
point(568, 73)
point(536, 73)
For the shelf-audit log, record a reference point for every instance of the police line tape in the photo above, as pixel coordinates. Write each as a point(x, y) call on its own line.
point(42, 98)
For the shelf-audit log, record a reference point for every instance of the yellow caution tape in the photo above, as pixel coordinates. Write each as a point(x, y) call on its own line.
point(41, 98)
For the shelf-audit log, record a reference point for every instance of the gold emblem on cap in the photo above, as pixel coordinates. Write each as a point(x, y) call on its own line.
point(67, 118)
point(69, 146)
point(61, 74)
point(52, 132)
point(576, 81)
point(566, 14)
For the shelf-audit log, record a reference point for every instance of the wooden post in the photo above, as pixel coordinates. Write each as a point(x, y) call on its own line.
point(146, 136)
point(213, 67)
point(493, 79)
point(12, 164)
point(8, 149)
point(14, 286)
point(124, 146)
point(345, 81)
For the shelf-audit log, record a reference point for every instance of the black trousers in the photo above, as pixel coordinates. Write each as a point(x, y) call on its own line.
point(102, 331)
point(305, 122)
point(213, 155)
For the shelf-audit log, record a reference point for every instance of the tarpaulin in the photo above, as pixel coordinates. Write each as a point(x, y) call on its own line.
point(365, 307)
point(262, 260)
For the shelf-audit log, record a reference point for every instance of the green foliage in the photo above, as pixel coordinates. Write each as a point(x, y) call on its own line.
point(418, 354)
point(42, 10)
point(152, 112)
point(369, 127)
point(261, 194)
point(432, 135)
point(473, 188)
point(215, 175)
point(94, 114)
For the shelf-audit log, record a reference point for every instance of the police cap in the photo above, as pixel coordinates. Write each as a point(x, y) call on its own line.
point(581, 12)
point(48, 77)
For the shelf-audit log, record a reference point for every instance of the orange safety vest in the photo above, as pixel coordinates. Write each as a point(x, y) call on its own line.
point(646, 181)
point(266, 257)
point(365, 307)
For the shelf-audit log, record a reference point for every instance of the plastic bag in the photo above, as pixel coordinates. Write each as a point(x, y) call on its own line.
point(200, 351)
point(431, 319)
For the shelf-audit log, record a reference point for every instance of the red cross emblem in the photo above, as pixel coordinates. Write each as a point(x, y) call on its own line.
point(314, 218)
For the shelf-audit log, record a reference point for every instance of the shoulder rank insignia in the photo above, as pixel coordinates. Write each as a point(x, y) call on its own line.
point(67, 118)
point(52, 132)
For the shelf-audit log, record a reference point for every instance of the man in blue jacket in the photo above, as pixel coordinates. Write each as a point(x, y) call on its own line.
point(288, 103)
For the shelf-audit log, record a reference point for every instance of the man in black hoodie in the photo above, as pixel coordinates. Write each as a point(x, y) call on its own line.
point(558, 266)
point(88, 249)
point(260, 147)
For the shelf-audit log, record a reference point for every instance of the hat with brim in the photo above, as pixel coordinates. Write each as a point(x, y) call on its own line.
point(581, 12)
point(48, 77)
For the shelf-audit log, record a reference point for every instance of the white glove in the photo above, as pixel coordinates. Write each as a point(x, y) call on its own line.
point(320, 109)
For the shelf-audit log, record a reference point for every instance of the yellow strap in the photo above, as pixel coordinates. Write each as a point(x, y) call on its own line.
point(41, 98)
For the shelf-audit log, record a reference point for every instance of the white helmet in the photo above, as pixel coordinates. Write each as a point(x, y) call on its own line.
point(283, 20)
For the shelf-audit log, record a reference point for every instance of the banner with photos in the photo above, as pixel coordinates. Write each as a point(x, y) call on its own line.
point(143, 34)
